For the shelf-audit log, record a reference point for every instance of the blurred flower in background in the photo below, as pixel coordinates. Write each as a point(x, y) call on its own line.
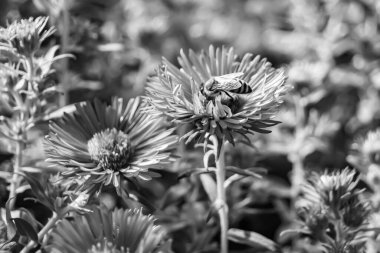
point(25, 35)
point(366, 151)
point(334, 211)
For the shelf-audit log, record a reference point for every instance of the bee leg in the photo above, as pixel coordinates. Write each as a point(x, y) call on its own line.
point(228, 94)
point(201, 88)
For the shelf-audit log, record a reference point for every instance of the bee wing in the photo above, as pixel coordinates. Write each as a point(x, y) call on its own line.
point(227, 85)
point(229, 76)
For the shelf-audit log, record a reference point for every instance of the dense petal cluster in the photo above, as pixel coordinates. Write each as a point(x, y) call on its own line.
point(120, 231)
point(333, 188)
point(104, 144)
point(334, 211)
point(25, 35)
point(180, 94)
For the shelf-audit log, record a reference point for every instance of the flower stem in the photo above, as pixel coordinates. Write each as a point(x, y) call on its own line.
point(295, 156)
point(16, 171)
point(23, 118)
point(65, 26)
point(339, 236)
point(221, 197)
point(297, 178)
point(53, 220)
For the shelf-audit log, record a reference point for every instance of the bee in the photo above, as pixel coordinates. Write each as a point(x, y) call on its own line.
point(229, 83)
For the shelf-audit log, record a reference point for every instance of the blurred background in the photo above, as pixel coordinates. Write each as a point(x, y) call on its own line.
point(330, 49)
point(117, 44)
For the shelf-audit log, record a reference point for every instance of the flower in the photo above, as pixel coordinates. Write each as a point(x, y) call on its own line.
point(307, 76)
point(334, 212)
point(121, 231)
point(181, 94)
point(365, 155)
point(25, 35)
point(102, 144)
point(335, 190)
point(370, 147)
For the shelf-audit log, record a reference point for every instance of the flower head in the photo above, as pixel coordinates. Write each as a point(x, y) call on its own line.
point(121, 231)
point(334, 190)
point(103, 145)
point(370, 147)
point(333, 211)
point(26, 35)
point(306, 75)
point(218, 94)
point(365, 155)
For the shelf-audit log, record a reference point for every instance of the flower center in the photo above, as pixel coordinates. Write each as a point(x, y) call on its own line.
point(111, 148)
point(105, 247)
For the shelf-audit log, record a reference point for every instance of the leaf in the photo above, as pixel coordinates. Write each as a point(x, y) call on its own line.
point(60, 112)
point(47, 60)
point(25, 229)
point(209, 185)
point(27, 215)
point(189, 172)
point(293, 232)
point(253, 239)
point(250, 172)
point(11, 228)
point(38, 191)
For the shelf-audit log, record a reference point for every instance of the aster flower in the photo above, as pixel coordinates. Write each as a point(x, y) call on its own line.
point(335, 190)
point(334, 212)
point(121, 231)
point(107, 144)
point(180, 94)
point(25, 35)
point(366, 151)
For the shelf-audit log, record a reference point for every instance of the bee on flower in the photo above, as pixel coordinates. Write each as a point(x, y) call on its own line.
point(218, 94)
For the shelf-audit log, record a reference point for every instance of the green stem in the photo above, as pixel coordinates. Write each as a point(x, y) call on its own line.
point(53, 220)
point(24, 106)
point(298, 175)
point(297, 178)
point(221, 197)
point(30, 70)
point(64, 48)
point(16, 171)
point(339, 235)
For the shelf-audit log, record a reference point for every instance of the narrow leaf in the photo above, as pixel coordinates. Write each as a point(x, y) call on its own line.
point(253, 239)
point(25, 229)
point(189, 172)
point(209, 185)
point(246, 172)
point(11, 228)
